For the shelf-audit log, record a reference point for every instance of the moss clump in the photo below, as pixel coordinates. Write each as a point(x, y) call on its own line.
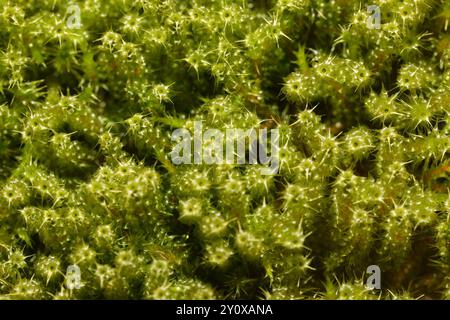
point(91, 92)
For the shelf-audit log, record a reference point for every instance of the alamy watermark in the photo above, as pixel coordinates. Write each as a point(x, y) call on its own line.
point(74, 16)
point(73, 277)
point(208, 147)
point(374, 280)
point(374, 20)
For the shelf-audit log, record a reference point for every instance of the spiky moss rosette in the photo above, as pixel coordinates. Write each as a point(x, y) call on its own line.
point(88, 104)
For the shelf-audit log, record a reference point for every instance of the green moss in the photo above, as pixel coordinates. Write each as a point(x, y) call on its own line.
point(86, 117)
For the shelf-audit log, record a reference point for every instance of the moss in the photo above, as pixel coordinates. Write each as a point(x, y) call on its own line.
point(91, 92)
